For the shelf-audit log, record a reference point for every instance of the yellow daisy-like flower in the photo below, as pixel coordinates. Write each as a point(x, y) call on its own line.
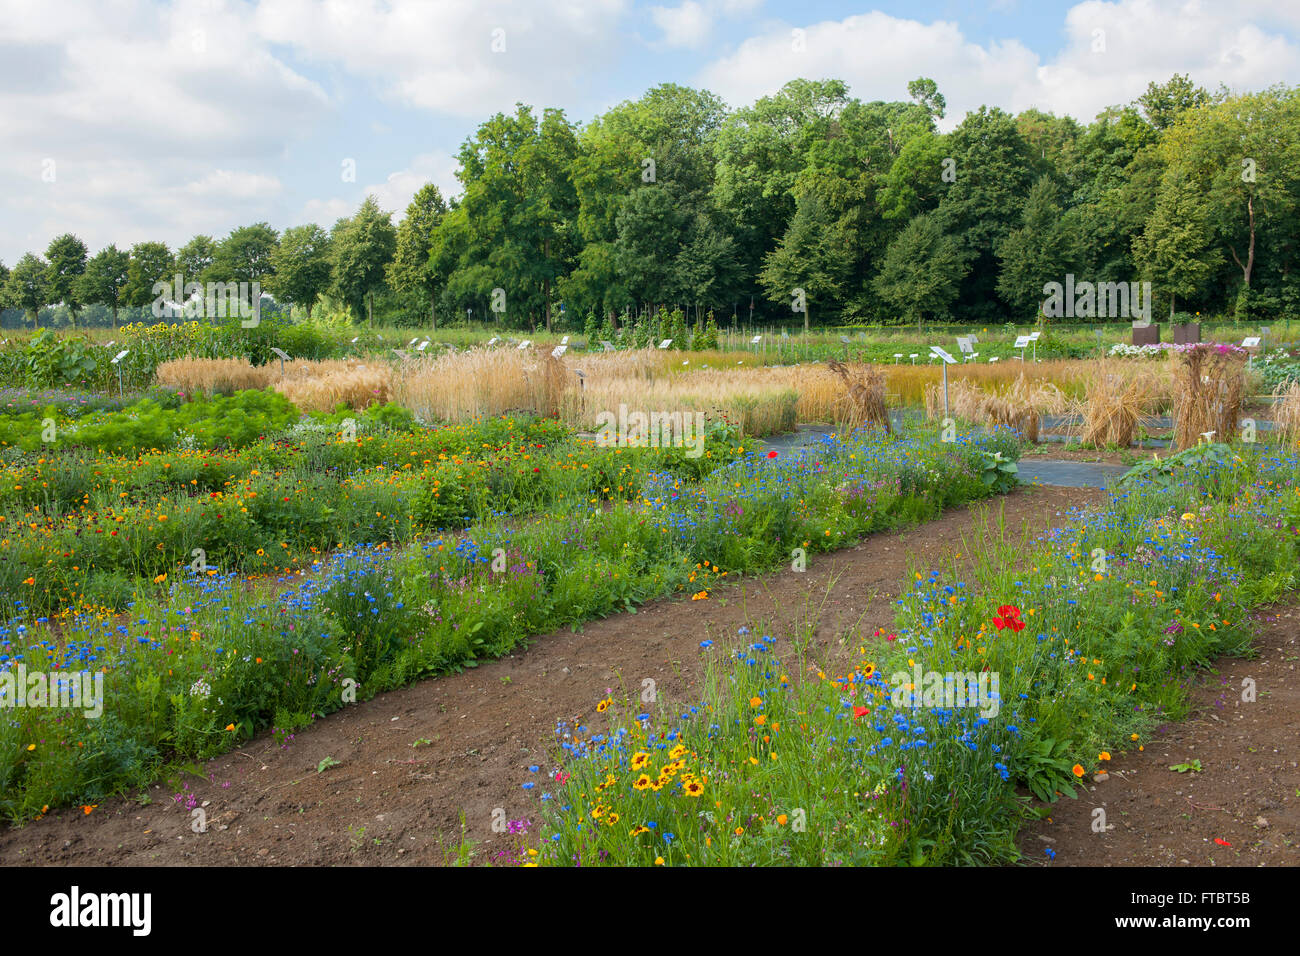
point(603, 706)
point(693, 789)
point(643, 782)
point(677, 752)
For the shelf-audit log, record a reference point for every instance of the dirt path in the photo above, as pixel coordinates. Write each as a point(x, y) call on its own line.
point(1247, 792)
point(388, 802)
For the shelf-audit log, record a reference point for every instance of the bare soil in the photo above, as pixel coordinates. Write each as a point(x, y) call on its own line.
point(388, 801)
point(1247, 792)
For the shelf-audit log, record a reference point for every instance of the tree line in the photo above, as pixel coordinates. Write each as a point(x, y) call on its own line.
point(860, 212)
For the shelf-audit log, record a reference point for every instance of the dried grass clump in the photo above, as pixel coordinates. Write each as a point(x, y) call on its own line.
point(312, 386)
point(461, 386)
point(1210, 381)
point(1286, 412)
point(1019, 405)
point(212, 376)
point(1120, 398)
point(357, 387)
point(864, 389)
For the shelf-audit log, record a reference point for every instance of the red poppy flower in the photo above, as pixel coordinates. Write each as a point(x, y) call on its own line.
point(860, 711)
point(1221, 841)
point(773, 454)
point(1008, 616)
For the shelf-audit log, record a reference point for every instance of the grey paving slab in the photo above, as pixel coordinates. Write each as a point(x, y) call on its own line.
point(1070, 474)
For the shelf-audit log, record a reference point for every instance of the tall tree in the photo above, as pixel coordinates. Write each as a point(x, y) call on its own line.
point(150, 263)
point(1042, 250)
point(413, 269)
point(1165, 103)
point(301, 266)
point(105, 278)
point(993, 172)
point(29, 286)
point(517, 211)
point(245, 256)
point(67, 258)
point(1176, 252)
point(363, 245)
point(195, 258)
point(1243, 156)
point(922, 271)
point(926, 92)
point(810, 257)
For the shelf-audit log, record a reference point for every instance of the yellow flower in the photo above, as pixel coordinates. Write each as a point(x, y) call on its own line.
point(639, 760)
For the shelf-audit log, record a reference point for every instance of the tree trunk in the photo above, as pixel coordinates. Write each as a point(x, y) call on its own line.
point(547, 254)
point(370, 309)
point(1248, 266)
point(433, 310)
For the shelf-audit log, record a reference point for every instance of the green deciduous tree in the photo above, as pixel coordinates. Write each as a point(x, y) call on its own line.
point(301, 266)
point(363, 245)
point(1041, 250)
point(105, 278)
point(29, 285)
point(150, 263)
point(1176, 252)
point(413, 270)
point(67, 261)
point(922, 271)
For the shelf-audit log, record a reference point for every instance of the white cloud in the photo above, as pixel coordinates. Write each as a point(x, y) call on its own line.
point(462, 57)
point(159, 120)
point(394, 194)
point(1144, 40)
point(690, 23)
point(224, 182)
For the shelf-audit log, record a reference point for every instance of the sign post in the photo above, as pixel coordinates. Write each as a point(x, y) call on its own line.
point(947, 360)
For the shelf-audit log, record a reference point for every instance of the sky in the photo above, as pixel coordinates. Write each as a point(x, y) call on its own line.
point(130, 120)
